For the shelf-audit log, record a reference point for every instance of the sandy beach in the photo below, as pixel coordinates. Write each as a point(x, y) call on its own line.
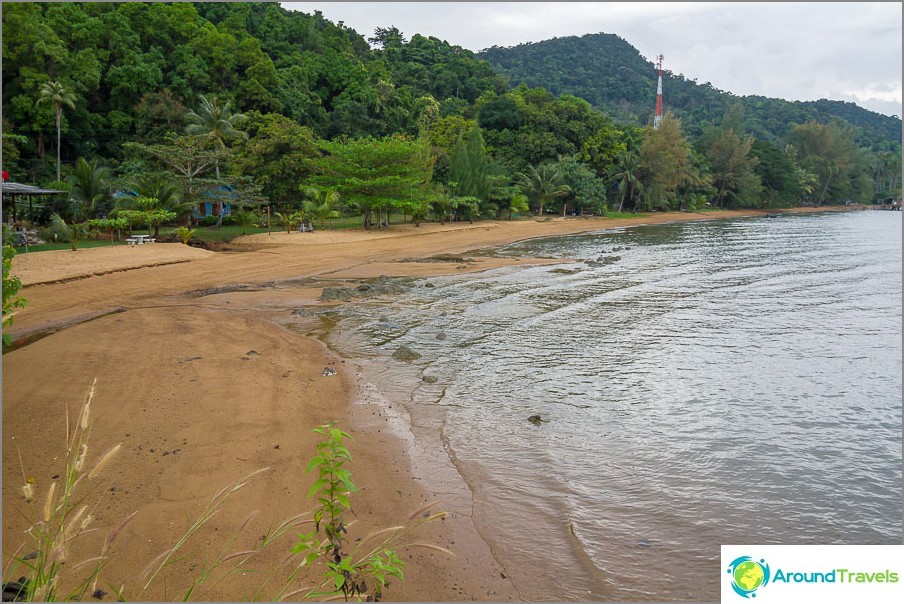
point(209, 367)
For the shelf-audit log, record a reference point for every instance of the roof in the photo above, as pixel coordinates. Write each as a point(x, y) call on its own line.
point(14, 188)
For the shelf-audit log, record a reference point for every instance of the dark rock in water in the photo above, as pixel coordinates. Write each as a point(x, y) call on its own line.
point(440, 336)
point(328, 371)
point(337, 293)
point(377, 287)
point(252, 353)
point(98, 594)
point(430, 379)
point(405, 354)
point(537, 420)
point(428, 284)
point(603, 261)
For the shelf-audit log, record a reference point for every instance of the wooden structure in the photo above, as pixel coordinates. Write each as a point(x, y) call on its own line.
point(20, 201)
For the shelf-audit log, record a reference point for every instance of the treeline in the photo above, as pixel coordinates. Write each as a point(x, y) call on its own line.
point(179, 101)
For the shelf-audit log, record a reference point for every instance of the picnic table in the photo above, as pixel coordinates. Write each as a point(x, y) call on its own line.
point(140, 239)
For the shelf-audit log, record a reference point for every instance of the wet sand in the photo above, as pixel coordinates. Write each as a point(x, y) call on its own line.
point(208, 368)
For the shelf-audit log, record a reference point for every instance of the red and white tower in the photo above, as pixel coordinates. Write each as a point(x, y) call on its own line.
point(657, 119)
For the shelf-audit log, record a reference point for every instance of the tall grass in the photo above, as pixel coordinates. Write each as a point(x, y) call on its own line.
point(324, 563)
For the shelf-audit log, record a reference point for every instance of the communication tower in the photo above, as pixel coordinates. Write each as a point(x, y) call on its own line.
point(657, 119)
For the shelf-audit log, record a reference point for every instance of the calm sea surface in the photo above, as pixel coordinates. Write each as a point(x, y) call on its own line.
point(699, 384)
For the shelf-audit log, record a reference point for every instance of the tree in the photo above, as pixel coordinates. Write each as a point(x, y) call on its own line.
point(109, 225)
point(829, 152)
point(166, 192)
point(628, 179)
point(320, 204)
point(74, 233)
point(665, 157)
point(469, 167)
point(56, 94)
point(392, 173)
point(216, 122)
point(188, 156)
point(90, 188)
point(245, 218)
point(147, 210)
point(733, 169)
point(542, 185)
point(279, 155)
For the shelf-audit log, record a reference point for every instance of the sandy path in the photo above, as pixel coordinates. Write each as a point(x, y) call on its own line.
point(200, 390)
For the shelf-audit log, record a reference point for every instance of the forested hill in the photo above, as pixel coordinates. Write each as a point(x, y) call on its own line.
point(611, 74)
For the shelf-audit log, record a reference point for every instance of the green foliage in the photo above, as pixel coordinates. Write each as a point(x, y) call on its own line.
point(279, 154)
point(90, 188)
point(320, 204)
point(108, 225)
point(542, 185)
point(733, 170)
point(290, 220)
point(11, 287)
point(185, 234)
point(244, 218)
point(378, 175)
point(73, 232)
point(353, 577)
point(665, 155)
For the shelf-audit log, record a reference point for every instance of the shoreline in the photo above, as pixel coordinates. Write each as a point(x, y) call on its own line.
point(175, 328)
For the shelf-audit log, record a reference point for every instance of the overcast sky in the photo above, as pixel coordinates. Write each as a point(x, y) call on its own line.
point(845, 51)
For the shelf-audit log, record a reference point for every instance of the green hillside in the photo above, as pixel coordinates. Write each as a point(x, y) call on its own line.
point(611, 74)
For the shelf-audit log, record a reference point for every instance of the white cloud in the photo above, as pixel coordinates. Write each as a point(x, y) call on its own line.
point(848, 51)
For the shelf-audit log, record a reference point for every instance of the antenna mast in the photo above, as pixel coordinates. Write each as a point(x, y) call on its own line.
point(657, 119)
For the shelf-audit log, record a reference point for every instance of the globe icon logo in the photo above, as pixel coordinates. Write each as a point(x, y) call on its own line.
point(748, 575)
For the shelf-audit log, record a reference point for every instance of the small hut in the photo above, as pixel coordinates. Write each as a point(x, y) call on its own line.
point(25, 202)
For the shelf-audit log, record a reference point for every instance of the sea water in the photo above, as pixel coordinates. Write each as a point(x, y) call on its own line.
point(688, 385)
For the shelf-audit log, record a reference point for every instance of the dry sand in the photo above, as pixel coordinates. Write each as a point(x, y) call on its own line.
point(205, 374)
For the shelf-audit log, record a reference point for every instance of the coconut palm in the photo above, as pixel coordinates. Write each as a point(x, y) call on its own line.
point(543, 184)
point(628, 178)
point(55, 93)
point(320, 204)
point(90, 188)
point(216, 122)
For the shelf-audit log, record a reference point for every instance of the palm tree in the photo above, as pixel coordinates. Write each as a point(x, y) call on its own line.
point(90, 188)
point(543, 184)
point(167, 192)
point(54, 92)
point(216, 122)
point(321, 203)
point(628, 179)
